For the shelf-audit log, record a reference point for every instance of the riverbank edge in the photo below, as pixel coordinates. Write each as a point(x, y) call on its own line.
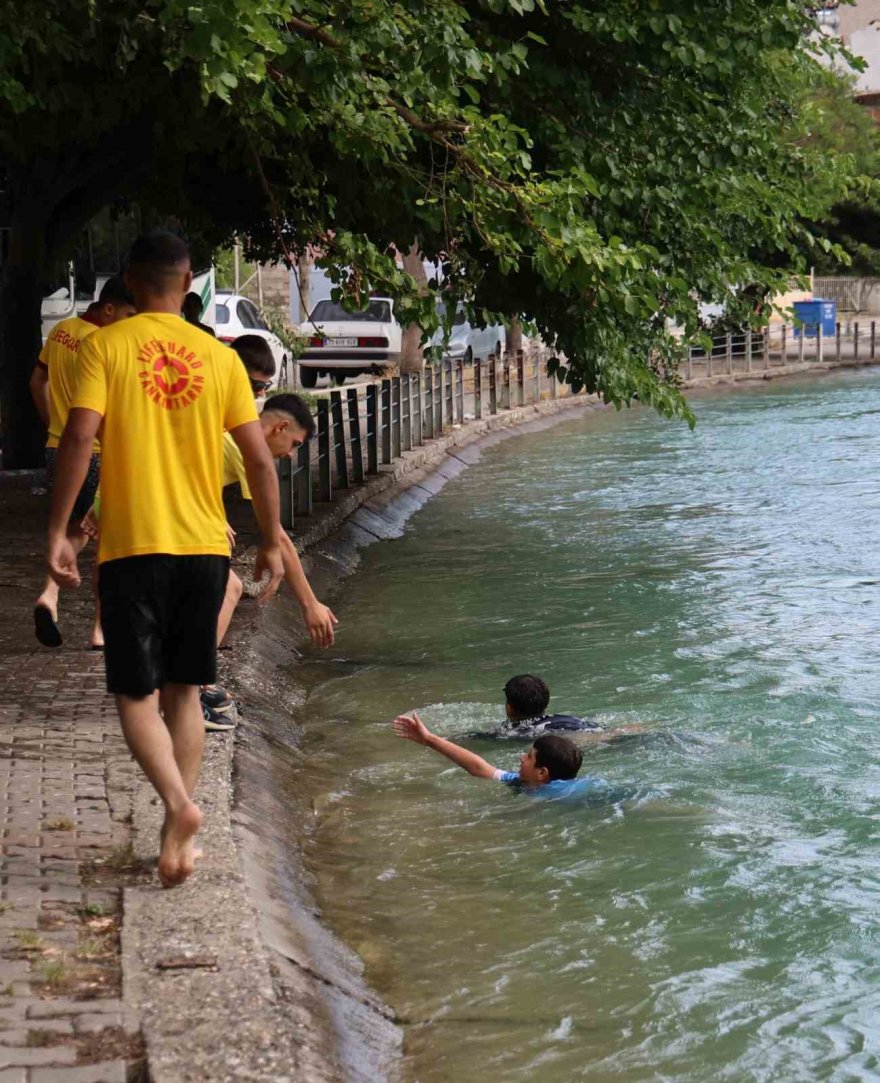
point(292, 1003)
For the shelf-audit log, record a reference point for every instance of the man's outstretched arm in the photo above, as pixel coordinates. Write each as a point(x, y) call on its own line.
point(319, 619)
point(413, 729)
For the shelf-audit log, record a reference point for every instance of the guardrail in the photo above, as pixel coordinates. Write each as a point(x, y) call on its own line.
point(783, 344)
point(364, 429)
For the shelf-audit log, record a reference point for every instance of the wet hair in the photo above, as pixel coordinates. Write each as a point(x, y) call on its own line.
point(156, 258)
point(256, 354)
point(527, 695)
point(294, 407)
point(561, 757)
point(192, 307)
point(113, 292)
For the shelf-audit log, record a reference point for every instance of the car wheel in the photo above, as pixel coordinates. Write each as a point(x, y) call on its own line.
point(468, 356)
point(308, 377)
point(338, 378)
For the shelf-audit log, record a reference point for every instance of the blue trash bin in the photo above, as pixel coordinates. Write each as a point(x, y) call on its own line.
point(813, 314)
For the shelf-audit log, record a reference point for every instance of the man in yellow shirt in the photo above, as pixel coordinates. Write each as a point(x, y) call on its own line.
point(52, 385)
point(162, 392)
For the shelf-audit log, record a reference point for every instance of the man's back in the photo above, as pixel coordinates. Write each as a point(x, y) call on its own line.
point(60, 355)
point(166, 392)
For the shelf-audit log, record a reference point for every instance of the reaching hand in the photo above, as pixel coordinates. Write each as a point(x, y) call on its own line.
point(411, 727)
point(269, 561)
point(320, 621)
point(62, 562)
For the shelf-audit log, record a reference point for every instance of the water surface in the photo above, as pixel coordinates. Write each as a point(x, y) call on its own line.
point(720, 918)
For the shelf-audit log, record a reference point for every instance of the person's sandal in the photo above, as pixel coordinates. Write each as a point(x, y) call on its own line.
point(46, 628)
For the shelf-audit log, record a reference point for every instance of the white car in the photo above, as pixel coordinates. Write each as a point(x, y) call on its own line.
point(342, 344)
point(467, 341)
point(236, 315)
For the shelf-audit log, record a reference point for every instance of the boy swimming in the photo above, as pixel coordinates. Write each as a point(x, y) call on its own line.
point(527, 699)
point(550, 765)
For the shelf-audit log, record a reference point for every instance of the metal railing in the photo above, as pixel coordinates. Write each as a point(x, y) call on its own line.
point(363, 430)
point(780, 345)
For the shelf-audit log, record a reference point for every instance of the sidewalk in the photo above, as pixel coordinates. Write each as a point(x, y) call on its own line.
point(66, 781)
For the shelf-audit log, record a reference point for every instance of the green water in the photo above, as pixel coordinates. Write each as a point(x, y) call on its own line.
point(721, 922)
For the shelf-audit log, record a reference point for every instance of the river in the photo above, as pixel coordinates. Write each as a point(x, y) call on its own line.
point(716, 919)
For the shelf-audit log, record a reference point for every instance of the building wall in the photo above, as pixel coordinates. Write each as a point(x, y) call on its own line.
point(854, 17)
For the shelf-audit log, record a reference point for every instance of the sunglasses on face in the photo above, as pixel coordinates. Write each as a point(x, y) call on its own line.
point(260, 385)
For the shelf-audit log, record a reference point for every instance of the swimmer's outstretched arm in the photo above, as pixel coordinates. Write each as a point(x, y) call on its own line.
point(414, 729)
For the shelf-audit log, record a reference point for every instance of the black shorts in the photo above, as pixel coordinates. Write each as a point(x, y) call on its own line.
point(159, 615)
point(86, 496)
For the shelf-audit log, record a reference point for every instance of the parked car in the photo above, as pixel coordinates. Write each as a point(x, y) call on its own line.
point(236, 315)
point(467, 341)
point(342, 344)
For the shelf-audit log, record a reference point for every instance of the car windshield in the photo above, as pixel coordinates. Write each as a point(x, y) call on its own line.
point(221, 313)
point(330, 312)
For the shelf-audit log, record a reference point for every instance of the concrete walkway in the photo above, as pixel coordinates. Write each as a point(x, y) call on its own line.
point(66, 783)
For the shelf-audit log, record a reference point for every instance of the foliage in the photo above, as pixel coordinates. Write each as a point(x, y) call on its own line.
point(599, 169)
point(276, 319)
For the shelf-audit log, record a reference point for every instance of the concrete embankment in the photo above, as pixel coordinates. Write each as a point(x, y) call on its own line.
point(272, 994)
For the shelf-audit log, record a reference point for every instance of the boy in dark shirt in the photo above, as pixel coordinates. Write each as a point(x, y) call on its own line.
point(527, 699)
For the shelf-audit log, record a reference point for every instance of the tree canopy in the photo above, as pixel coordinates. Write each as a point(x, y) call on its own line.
point(598, 168)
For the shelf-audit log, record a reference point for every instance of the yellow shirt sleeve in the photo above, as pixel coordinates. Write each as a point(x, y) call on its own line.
point(233, 466)
point(91, 382)
point(240, 405)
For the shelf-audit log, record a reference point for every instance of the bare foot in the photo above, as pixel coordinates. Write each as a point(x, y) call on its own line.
point(177, 858)
point(96, 640)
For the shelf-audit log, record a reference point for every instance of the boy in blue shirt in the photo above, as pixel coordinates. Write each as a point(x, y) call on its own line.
point(550, 763)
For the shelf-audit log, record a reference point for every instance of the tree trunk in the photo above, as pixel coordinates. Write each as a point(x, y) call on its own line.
point(514, 336)
point(412, 357)
point(304, 276)
point(21, 295)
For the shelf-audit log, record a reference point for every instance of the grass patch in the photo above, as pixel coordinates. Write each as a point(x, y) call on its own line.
point(54, 974)
point(120, 858)
point(28, 940)
point(93, 910)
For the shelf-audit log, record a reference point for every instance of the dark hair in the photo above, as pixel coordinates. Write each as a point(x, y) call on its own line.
point(294, 407)
point(561, 757)
point(528, 696)
point(113, 292)
point(156, 257)
point(192, 307)
point(256, 354)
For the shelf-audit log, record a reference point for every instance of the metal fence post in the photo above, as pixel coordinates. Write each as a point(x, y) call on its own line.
point(372, 429)
point(385, 423)
point(537, 356)
point(406, 412)
point(520, 378)
point(820, 343)
point(837, 358)
point(438, 401)
point(460, 369)
point(729, 353)
point(450, 393)
point(855, 342)
point(418, 409)
point(396, 412)
point(749, 350)
point(354, 437)
point(325, 485)
point(765, 347)
point(505, 383)
point(493, 384)
point(429, 403)
point(285, 492)
point(478, 389)
point(303, 489)
point(338, 432)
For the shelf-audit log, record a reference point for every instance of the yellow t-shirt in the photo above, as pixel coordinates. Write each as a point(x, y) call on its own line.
point(166, 391)
point(59, 355)
point(233, 466)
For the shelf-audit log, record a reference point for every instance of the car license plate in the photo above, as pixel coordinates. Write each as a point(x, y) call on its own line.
point(342, 342)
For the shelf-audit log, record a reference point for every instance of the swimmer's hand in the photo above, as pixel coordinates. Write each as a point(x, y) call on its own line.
point(412, 728)
point(319, 621)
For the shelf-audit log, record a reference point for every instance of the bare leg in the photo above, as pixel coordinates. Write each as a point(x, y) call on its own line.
point(96, 640)
point(151, 744)
point(183, 717)
point(230, 601)
point(47, 631)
